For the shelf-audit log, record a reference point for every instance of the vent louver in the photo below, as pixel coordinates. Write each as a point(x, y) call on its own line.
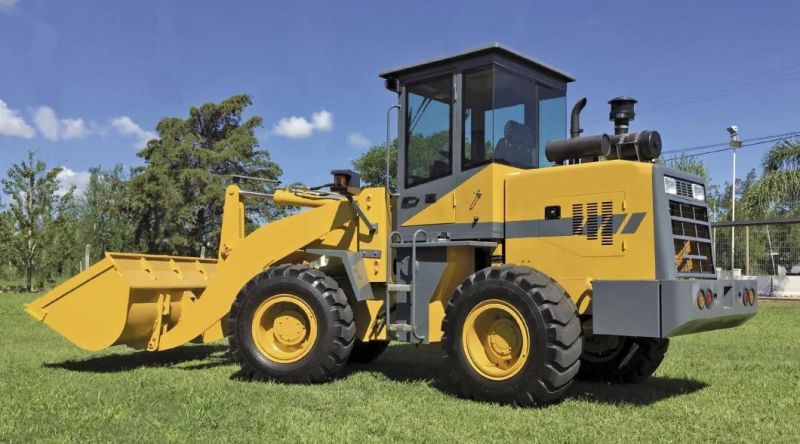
point(577, 219)
point(591, 221)
point(607, 223)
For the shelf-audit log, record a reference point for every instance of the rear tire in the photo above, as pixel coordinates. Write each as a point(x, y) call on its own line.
point(621, 359)
point(366, 352)
point(529, 331)
point(291, 323)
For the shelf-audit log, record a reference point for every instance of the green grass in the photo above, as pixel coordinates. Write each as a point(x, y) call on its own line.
point(740, 385)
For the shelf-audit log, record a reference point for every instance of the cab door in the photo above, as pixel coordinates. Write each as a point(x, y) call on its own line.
point(426, 154)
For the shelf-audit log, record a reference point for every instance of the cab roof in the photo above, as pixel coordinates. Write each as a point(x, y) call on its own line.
point(493, 49)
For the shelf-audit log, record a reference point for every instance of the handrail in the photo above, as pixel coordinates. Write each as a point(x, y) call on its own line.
point(388, 178)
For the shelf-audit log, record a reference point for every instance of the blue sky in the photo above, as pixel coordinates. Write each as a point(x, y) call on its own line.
point(85, 82)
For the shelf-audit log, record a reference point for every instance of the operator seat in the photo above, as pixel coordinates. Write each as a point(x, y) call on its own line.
point(518, 144)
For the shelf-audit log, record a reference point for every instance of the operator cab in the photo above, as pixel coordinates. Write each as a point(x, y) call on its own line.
point(463, 114)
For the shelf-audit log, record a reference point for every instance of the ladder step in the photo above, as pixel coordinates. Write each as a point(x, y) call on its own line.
point(399, 287)
point(400, 327)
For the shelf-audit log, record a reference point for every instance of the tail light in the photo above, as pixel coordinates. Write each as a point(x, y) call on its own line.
point(709, 296)
point(701, 299)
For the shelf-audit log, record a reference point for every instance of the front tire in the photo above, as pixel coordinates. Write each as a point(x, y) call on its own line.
point(291, 323)
point(511, 335)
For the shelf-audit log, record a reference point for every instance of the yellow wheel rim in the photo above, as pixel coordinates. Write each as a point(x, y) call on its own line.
point(496, 340)
point(284, 328)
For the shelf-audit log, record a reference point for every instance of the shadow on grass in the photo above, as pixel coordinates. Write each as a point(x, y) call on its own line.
point(400, 363)
point(408, 363)
point(208, 355)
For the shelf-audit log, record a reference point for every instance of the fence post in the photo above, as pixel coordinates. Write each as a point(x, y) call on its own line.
point(747, 250)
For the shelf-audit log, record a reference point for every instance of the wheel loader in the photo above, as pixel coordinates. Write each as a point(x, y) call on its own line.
point(533, 257)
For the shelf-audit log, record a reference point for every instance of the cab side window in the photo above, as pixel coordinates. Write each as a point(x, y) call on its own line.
point(428, 134)
point(499, 119)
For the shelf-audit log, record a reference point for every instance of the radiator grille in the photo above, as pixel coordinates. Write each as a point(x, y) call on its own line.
point(691, 234)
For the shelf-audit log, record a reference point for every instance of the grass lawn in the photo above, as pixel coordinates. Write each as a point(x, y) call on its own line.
point(740, 385)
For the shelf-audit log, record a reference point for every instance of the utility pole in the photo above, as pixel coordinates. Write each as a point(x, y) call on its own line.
point(736, 142)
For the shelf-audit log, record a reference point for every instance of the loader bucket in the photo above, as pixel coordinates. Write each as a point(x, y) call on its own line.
point(125, 299)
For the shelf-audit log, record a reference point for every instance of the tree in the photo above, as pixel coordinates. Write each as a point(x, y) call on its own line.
point(426, 149)
point(777, 191)
point(104, 222)
point(176, 199)
point(691, 165)
point(372, 165)
point(37, 211)
point(6, 234)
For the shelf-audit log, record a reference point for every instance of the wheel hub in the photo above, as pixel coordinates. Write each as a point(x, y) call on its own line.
point(496, 340)
point(284, 328)
point(503, 340)
point(289, 328)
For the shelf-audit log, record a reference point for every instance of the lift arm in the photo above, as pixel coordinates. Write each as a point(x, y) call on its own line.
point(245, 258)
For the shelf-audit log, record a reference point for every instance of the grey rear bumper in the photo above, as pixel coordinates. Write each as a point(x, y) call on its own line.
point(664, 308)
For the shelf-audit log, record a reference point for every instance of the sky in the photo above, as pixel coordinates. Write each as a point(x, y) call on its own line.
point(84, 82)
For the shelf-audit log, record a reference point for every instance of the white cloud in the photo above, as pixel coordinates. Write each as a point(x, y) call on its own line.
point(323, 120)
point(54, 129)
point(68, 178)
point(300, 128)
point(358, 140)
point(294, 128)
point(125, 126)
point(45, 119)
point(7, 4)
point(11, 124)
point(73, 129)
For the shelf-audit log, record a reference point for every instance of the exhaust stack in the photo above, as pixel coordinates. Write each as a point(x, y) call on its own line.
point(643, 146)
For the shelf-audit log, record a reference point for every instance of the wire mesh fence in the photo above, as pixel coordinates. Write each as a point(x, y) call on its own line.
point(767, 249)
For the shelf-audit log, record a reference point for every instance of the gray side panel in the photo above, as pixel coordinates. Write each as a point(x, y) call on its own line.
point(626, 308)
point(431, 263)
point(356, 271)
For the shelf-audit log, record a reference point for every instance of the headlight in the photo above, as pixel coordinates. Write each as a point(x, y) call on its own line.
point(698, 192)
point(670, 185)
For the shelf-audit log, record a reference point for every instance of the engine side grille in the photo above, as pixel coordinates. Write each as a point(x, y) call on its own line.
point(577, 218)
point(607, 223)
point(691, 234)
point(591, 221)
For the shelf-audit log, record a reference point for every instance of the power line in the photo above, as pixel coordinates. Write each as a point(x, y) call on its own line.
point(752, 139)
point(762, 142)
point(733, 86)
